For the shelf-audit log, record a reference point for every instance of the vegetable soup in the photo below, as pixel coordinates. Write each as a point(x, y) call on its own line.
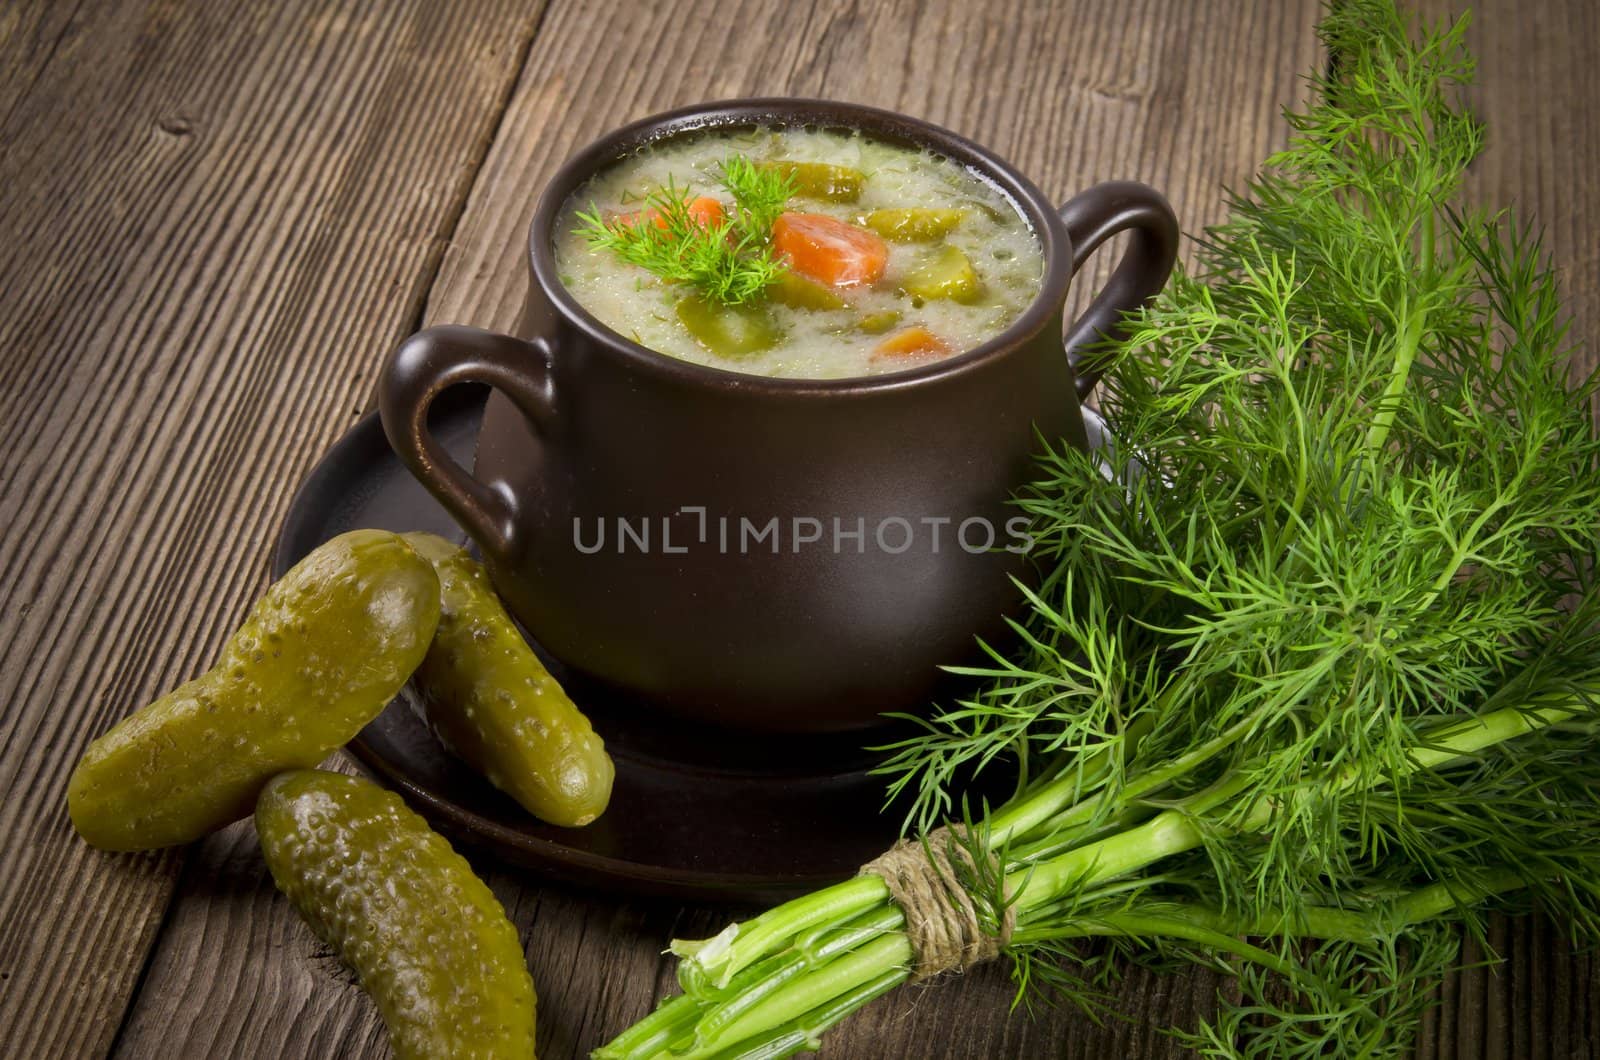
point(798, 252)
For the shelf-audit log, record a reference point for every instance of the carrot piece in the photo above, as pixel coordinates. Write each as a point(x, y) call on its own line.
point(703, 211)
point(828, 250)
point(915, 341)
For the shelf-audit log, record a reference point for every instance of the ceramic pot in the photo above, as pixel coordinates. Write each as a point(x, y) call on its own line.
point(785, 555)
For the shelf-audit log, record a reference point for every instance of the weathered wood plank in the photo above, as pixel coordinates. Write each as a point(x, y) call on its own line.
point(1538, 88)
point(30, 33)
point(1073, 93)
point(215, 217)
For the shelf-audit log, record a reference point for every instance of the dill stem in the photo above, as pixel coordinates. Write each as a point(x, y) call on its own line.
point(1176, 830)
point(868, 965)
point(1188, 921)
point(1351, 925)
point(1185, 763)
point(804, 1033)
point(822, 944)
point(1074, 829)
point(1472, 735)
point(1167, 833)
point(1043, 807)
point(1030, 814)
point(1191, 928)
point(719, 961)
point(1406, 344)
point(1189, 807)
point(791, 1010)
point(1439, 898)
point(673, 1019)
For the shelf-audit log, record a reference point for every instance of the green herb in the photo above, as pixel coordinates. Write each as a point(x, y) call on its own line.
point(729, 261)
point(759, 194)
point(1312, 686)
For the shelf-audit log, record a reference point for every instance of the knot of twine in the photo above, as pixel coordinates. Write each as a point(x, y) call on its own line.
point(943, 921)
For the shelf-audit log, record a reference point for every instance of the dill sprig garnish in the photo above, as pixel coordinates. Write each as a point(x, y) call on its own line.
point(728, 260)
point(759, 193)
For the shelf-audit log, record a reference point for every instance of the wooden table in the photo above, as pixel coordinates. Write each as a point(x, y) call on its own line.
point(215, 218)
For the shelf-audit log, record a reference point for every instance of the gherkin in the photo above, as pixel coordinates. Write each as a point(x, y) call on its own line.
point(946, 272)
point(428, 940)
point(915, 225)
point(495, 705)
point(318, 657)
point(819, 180)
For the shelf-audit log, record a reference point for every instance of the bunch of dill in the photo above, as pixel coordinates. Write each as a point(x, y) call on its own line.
point(1364, 504)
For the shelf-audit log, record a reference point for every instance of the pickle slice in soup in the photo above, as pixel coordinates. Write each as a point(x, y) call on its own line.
point(728, 331)
point(916, 225)
point(797, 292)
point(819, 180)
point(943, 273)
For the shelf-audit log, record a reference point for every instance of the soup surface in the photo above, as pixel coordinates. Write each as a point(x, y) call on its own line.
point(884, 257)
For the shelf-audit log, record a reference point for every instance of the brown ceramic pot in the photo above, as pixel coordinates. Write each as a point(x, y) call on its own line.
point(691, 602)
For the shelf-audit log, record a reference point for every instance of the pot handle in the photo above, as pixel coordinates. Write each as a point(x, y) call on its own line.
point(425, 366)
point(1091, 218)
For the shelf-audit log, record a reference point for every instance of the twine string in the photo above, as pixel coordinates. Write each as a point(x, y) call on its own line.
point(943, 921)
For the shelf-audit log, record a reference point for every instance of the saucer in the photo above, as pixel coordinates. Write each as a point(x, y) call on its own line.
point(695, 813)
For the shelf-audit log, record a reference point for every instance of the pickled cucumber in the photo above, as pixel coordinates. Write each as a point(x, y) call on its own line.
point(819, 180)
point(943, 273)
point(429, 941)
point(318, 657)
point(915, 225)
point(495, 705)
point(728, 330)
point(798, 292)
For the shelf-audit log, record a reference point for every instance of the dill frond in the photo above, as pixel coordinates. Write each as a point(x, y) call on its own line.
point(729, 261)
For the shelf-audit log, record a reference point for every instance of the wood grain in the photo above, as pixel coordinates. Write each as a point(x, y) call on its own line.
point(215, 218)
point(1538, 88)
point(1073, 93)
point(30, 33)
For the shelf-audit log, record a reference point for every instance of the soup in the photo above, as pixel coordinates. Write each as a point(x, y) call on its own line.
point(797, 252)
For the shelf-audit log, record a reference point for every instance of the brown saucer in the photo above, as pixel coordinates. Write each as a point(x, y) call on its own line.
point(696, 812)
